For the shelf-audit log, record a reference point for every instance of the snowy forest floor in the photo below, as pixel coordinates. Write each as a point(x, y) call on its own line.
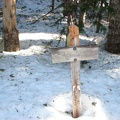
point(32, 88)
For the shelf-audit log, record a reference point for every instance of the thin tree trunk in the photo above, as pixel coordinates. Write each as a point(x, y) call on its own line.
point(113, 37)
point(99, 18)
point(10, 32)
point(82, 19)
point(53, 1)
point(81, 15)
point(108, 19)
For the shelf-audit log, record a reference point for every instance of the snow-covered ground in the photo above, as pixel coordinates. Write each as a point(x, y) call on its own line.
point(32, 88)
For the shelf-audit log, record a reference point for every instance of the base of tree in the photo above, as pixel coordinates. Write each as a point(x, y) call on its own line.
point(109, 48)
point(113, 36)
point(11, 40)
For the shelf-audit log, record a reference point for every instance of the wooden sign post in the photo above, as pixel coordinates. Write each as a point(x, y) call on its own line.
point(74, 55)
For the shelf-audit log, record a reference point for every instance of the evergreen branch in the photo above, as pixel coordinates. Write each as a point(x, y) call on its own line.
point(47, 13)
point(57, 21)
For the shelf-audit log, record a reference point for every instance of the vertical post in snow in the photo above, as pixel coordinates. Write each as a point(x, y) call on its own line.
point(75, 74)
point(74, 41)
point(74, 54)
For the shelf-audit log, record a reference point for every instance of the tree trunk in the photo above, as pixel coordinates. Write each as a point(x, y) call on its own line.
point(108, 19)
point(53, 2)
point(10, 32)
point(113, 37)
point(82, 19)
point(82, 14)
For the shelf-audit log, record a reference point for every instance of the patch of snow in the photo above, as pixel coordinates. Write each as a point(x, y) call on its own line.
point(32, 88)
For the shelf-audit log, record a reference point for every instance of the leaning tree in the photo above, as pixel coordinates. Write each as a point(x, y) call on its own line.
point(10, 32)
point(113, 37)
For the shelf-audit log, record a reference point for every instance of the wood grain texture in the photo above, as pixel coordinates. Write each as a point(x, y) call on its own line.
point(75, 71)
point(76, 92)
point(74, 54)
point(74, 36)
point(69, 54)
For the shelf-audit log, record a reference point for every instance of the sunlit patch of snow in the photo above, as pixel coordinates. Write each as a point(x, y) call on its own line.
point(36, 36)
point(91, 108)
point(33, 88)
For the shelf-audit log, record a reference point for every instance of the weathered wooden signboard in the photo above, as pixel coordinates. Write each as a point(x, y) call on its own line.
point(74, 55)
point(69, 54)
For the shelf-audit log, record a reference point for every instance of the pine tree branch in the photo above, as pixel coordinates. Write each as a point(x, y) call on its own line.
point(47, 13)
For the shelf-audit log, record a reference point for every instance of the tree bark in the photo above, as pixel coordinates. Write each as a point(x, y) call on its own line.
point(81, 14)
point(53, 2)
point(113, 37)
point(10, 32)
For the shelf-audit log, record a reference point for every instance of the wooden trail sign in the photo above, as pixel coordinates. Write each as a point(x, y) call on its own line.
point(74, 55)
point(69, 54)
